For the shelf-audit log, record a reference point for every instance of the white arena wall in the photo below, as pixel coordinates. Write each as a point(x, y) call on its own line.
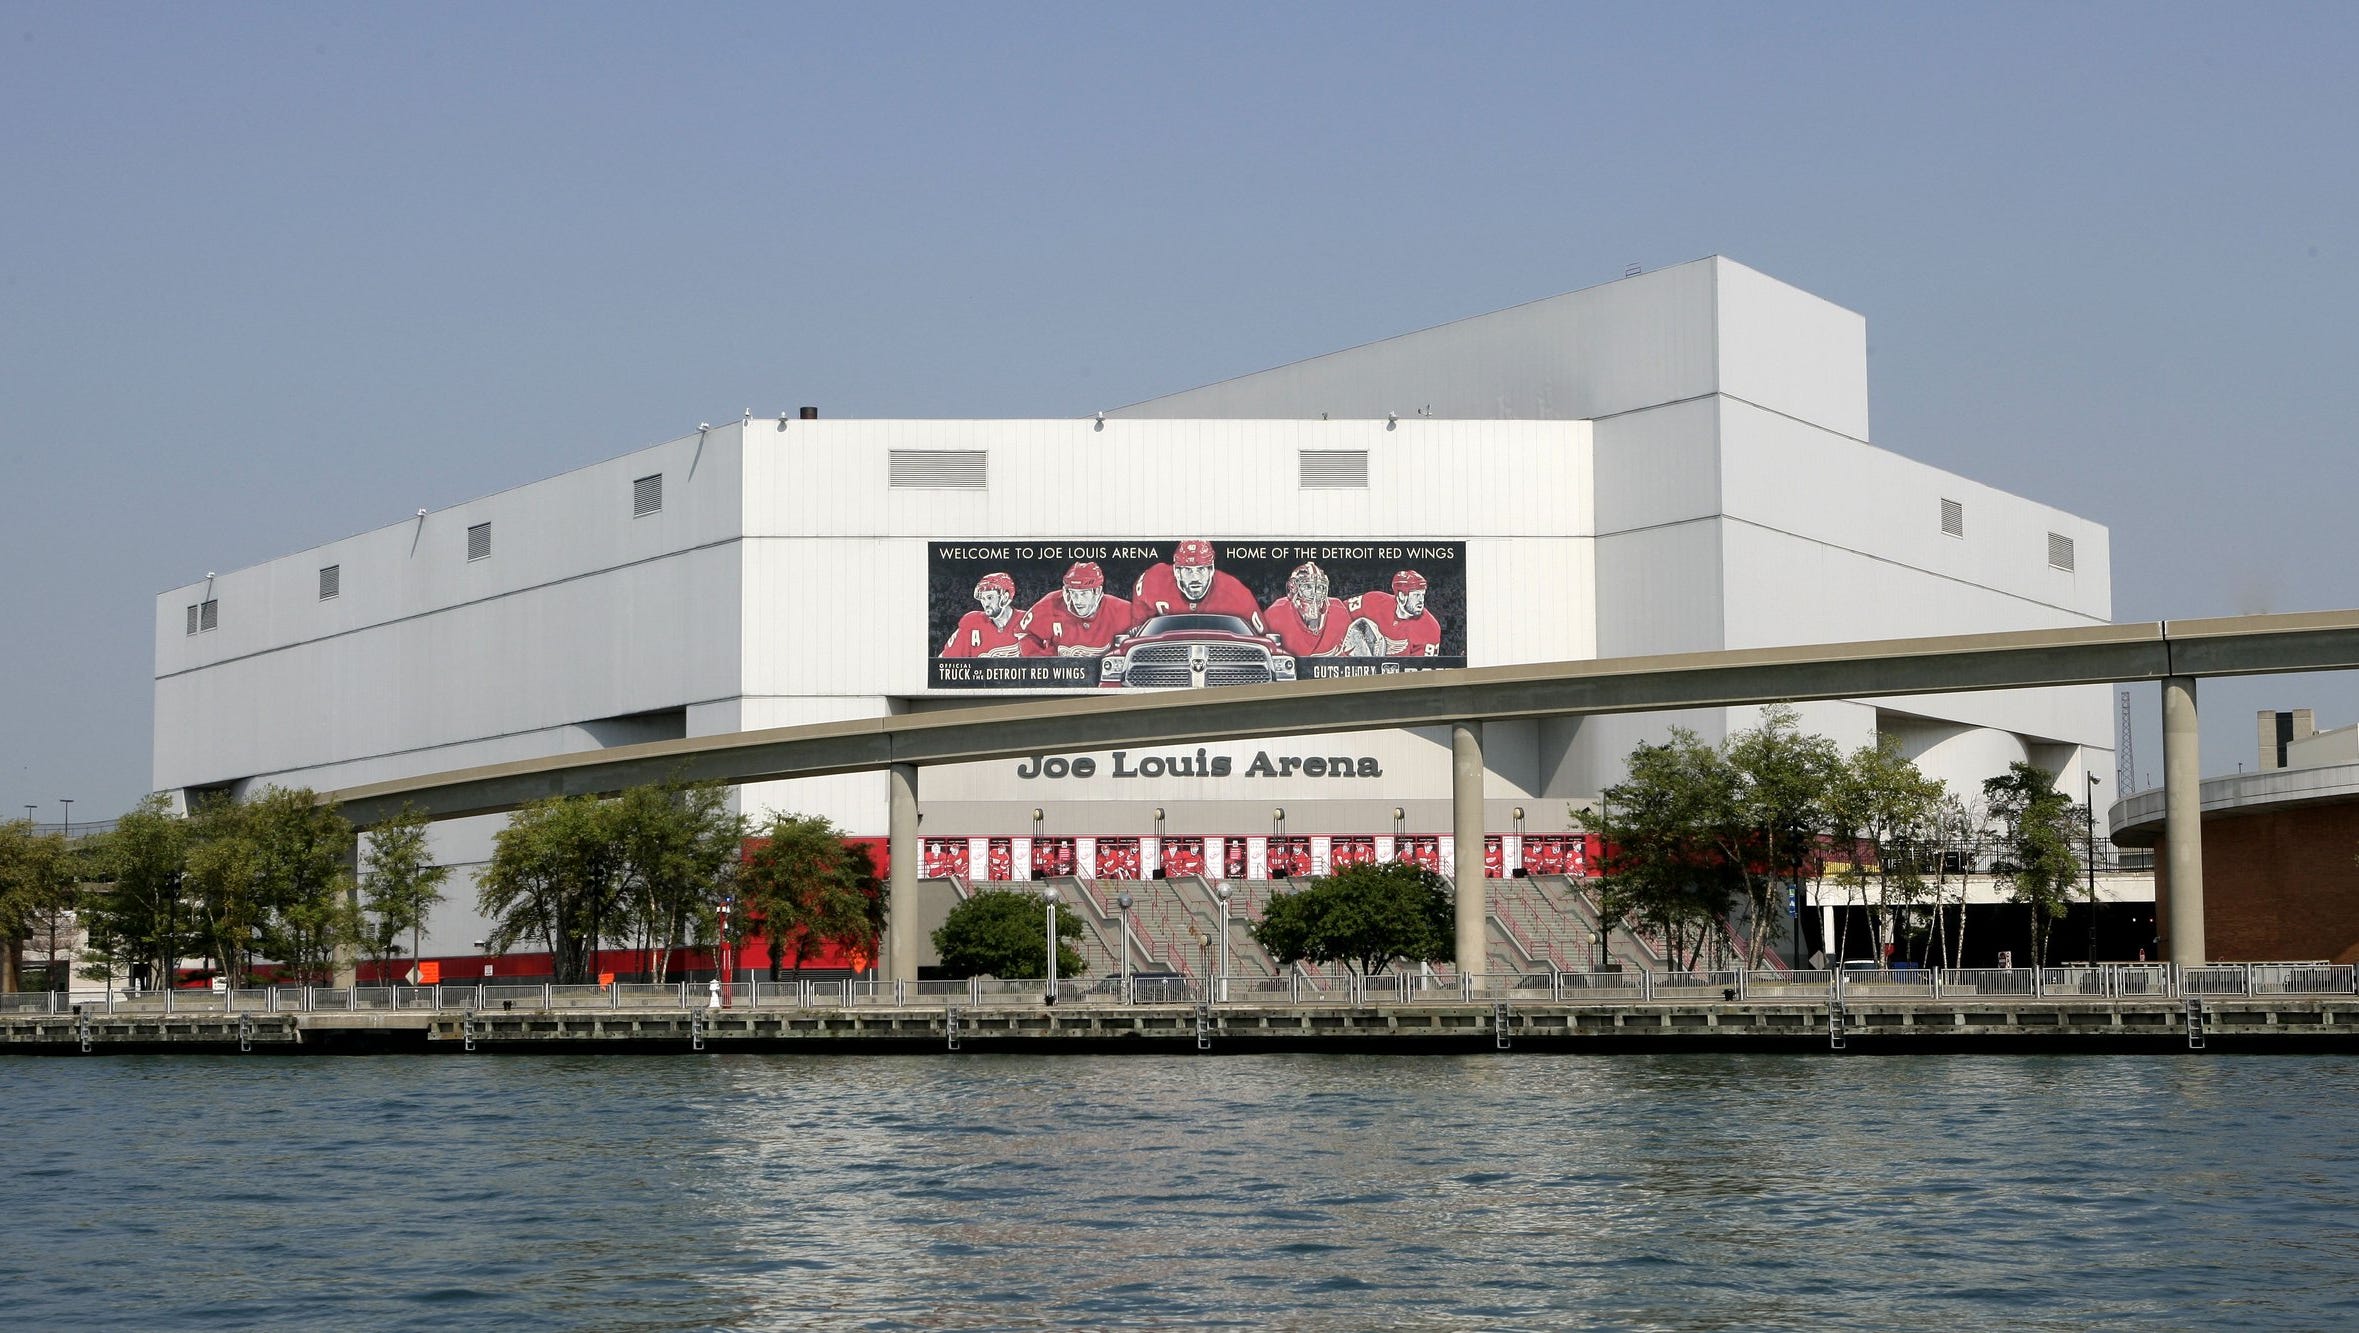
point(1738, 499)
point(1672, 462)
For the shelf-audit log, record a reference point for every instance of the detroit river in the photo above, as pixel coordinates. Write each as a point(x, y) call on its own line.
point(1284, 1191)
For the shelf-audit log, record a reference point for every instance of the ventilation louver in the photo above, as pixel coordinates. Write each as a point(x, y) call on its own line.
point(938, 469)
point(1334, 469)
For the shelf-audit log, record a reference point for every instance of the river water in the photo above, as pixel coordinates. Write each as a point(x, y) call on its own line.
point(1256, 1191)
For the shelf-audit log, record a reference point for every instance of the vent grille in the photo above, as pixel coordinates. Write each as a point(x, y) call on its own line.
point(331, 582)
point(2059, 550)
point(209, 614)
point(1953, 518)
point(479, 542)
point(939, 469)
point(647, 496)
point(192, 628)
point(1334, 469)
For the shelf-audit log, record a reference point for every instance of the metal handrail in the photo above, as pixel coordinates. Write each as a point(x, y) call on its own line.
point(2151, 981)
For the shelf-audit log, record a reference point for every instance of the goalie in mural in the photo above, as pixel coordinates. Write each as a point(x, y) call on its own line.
point(993, 631)
point(1077, 620)
point(1311, 623)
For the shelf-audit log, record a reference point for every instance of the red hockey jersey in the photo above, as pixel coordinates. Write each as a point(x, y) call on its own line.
point(1157, 593)
point(1051, 625)
point(1422, 632)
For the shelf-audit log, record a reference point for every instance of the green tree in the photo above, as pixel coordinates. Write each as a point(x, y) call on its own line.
point(1367, 916)
point(2037, 864)
point(555, 878)
point(304, 850)
point(269, 880)
point(1886, 811)
point(141, 913)
point(400, 883)
point(678, 847)
point(810, 889)
point(221, 882)
point(1957, 828)
point(1783, 785)
point(37, 888)
point(1002, 933)
point(1673, 843)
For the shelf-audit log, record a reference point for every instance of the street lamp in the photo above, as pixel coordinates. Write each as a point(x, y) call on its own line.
point(1221, 892)
point(728, 958)
point(484, 947)
point(1050, 897)
point(1605, 924)
point(1123, 900)
point(68, 803)
point(2090, 808)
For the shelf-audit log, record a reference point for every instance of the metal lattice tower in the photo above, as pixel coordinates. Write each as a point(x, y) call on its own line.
point(2125, 766)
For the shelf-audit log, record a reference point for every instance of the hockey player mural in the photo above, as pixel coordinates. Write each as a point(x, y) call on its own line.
point(1046, 615)
point(1190, 583)
point(993, 631)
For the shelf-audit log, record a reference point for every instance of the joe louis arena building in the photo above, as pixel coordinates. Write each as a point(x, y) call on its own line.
point(1675, 461)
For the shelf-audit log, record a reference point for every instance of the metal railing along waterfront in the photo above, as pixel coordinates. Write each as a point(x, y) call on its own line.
point(2142, 981)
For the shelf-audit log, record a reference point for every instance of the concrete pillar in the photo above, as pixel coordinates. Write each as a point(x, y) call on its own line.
point(347, 963)
point(2182, 811)
point(1466, 829)
point(900, 961)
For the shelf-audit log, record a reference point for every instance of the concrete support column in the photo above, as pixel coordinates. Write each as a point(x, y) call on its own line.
point(347, 964)
point(901, 882)
point(1466, 838)
point(2182, 810)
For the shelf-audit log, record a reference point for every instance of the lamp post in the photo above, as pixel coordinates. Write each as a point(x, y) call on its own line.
point(1123, 900)
point(2090, 808)
point(29, 809)
point(1222, 894)
point(1277, 833)
point(1605, 924)
point(484, 947)
point(68, 803)
point(728, 956)
point(1156, 870)
point(1050, 898)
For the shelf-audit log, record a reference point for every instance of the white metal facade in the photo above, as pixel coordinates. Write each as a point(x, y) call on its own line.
point(1675, 461)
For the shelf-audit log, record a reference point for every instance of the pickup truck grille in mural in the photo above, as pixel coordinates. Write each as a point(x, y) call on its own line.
point(1181, 664)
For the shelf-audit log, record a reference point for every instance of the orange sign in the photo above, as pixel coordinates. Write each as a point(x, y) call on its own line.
point(605, 979)
point(430, 974)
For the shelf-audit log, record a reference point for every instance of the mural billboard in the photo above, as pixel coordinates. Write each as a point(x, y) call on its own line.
point(1098, 613)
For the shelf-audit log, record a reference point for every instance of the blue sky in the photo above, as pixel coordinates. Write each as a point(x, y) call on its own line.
point(272, 274)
